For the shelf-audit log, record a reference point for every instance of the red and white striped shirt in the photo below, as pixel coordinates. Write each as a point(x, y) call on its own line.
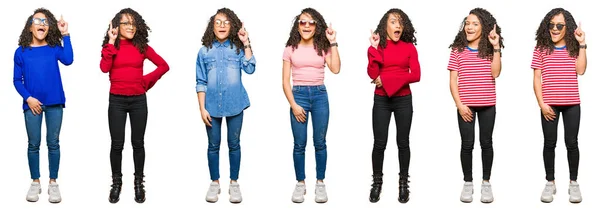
point(476, 85)
point(559, 77)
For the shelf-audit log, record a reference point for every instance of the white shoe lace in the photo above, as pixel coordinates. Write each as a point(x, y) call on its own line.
point(299, 189)
point(549, 189)
point(54, 189)
point(486, 189)
point(574, 188)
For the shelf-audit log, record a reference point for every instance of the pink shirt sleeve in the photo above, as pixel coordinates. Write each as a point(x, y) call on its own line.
point(287, 54)
point(536, 62)
point(453, 62)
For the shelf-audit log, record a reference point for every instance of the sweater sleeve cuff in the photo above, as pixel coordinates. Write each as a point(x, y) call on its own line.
point(109, 50)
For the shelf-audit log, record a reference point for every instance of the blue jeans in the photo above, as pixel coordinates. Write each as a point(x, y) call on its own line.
point(33, 124)
point(314, 100)
point(234, 128)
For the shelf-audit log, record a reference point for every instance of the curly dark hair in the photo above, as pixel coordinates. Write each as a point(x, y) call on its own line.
point(320, 41)
point(54, 38)
point(542, 35)
point(485, 48)
point(140, 39)
point(408, 31)
point(235, 25)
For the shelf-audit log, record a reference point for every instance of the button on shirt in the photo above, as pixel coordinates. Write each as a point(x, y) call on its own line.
point(219, 75)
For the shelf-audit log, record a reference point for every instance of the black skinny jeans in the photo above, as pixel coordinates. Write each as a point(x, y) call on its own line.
point(383, 107)
point(118, 108)
point(572, 116)
point(487, 118)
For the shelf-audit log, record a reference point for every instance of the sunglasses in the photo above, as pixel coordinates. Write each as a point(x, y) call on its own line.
point(126, 23)
point(304, 22)
point(40, 21)
point(218, 22)
point(559, 26)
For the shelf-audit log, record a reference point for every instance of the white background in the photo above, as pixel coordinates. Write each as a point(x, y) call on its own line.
point(177, 174)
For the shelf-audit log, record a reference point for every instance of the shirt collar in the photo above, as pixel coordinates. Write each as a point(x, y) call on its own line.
point(224, 44)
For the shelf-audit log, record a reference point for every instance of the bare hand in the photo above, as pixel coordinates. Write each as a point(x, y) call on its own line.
point(580, 35)
point(34, 105)
point(330, 33)
point(494, 38)
point(206, 117)
point(465, 113)
point(243, 35)
point(374, 39)
point(112, 33)
point(548, 112)
point(63, 26)
point(299, 113)
point(377, 82)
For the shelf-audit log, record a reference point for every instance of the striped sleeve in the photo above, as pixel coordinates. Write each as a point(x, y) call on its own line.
point(536, 62)
point(453, 62)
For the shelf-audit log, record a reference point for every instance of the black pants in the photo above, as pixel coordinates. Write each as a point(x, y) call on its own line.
point(118, 108)
point(383, 107)
point(487, 118)
point(572, 116)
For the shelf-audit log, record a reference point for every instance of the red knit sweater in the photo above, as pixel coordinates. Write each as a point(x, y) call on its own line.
point(126, 68)
point(397, 66)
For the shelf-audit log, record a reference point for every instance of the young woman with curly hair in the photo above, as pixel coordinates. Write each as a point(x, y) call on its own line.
point(474, 65)
point(224, 53)
point(559, 58)
point(311, 45)
point(124, 49)
point(393, 66)
point(38, 80)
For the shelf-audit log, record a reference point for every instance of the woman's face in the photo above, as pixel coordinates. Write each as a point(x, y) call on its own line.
point(394, 27)
point(222, 26)
point(306, 26)
point(127, 27)
point(472, 28)
point(557, 28)
point(39, 26)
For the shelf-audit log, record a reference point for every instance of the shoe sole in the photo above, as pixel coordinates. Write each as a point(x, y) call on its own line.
point(37, 199)
point(113, 202)
point(552, 199)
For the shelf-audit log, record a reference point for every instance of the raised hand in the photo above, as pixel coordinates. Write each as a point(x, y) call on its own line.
point(330, 33)
point(494, 38)
point(374, 39)
point(243, 34)
point(112, 33)
point(63, 26)
point(580, 35)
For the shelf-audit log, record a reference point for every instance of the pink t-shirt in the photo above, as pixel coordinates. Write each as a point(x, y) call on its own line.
point(559, 77)
point(308, 68)
point(476, 85)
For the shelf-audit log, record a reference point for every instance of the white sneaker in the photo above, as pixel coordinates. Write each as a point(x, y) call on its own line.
point(466, 195)
point(33, 193)
point(299, 192)
point(213, 192)
point(53, 193)
point(486, 192)
point(235, 195)
point(574, 192)
point(320, 192)
point(549, 191)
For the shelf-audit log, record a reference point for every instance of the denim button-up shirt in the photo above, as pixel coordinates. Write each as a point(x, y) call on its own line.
point(219, 75)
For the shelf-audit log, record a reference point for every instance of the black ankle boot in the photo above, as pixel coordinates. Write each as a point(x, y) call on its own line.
point(376, 187)
point(140, 193)
point(404, 192)
point(115, 191)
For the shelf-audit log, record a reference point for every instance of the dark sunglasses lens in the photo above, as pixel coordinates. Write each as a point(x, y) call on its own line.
point(560, 26)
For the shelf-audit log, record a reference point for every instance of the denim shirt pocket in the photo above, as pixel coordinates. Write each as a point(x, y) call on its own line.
point(210, 64)
point(233, 62)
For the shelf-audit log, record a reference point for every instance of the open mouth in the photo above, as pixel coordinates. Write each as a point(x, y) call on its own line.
point(397, 33)
point(555, 33)
point(470, 33)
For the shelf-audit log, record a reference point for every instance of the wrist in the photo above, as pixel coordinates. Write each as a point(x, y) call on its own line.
point(582, 46)
point(65, 34)
point(332, 41)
